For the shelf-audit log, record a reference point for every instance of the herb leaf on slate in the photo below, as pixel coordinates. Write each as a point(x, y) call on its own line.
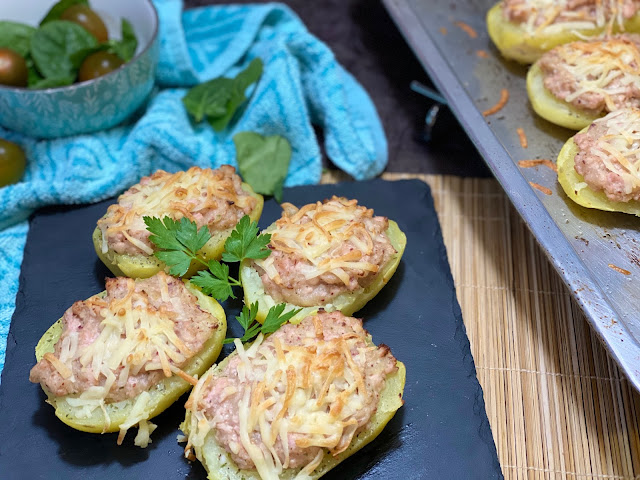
point(263, 161)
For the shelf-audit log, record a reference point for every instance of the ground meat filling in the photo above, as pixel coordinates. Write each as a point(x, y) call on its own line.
point(596, 77)
point(214, 198)
point(164, 300)
point(323, 250)
point(326, 368)
point(608, 155)
point(581, 13)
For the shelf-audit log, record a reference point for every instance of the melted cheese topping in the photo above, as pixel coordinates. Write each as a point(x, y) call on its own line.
point(181, 194)
point(608, 68)
point(619, 147)
point(312, 391)
point(316, 232)
point(554, 16)
point(134, 337)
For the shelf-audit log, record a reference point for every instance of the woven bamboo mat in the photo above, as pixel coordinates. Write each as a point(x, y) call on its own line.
point(559, 407)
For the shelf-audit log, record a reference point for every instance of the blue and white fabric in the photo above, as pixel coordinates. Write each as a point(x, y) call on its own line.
point(302, 85)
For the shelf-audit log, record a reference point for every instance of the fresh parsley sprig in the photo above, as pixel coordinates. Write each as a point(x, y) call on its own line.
point(178, 243)
point(274, 320)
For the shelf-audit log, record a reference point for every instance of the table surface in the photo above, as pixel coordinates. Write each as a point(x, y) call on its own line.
point(558, 405)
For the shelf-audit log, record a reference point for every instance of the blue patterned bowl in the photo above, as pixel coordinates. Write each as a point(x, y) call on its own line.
point(88, 106)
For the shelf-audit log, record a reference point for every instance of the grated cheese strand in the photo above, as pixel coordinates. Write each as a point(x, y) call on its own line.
point(199, 194)
point(312, 390)
point(134, 336)
point(619, 148)
point(538, 17)
point(317, 232)
point(607, 68)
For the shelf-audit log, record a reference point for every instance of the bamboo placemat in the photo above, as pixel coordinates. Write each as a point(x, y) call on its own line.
point(559, 407)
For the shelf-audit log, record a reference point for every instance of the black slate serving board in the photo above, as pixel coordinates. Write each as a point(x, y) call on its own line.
point(442, 432)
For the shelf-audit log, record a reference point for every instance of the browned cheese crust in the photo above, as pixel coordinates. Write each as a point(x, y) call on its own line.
point(597, 76)
point(178, 331)
point(333, 374)
point(212, 198)
point(323, 250)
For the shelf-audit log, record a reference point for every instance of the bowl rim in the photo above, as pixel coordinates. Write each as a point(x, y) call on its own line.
point(150, 44)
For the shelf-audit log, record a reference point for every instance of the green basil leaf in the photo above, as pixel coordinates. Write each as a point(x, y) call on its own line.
point(248, 76)
point(54, 44)
point(209, 98)
point(58, 9)
point(126, 47)
point(34, 77)
point(218, 99)
point(51, 82)
point(16, 36)
point(263, 161)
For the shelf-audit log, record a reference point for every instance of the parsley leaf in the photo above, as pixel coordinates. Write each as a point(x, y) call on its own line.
point(263, 161)
point(178, 261)
point(178, 241)
point(216, 282)
point(189, 235)
point(219, 98)
point(275, 318)
point(244, 242)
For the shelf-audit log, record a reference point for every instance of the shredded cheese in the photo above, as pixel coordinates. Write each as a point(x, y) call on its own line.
point(134, 337)
point(318, 233)
point(619, 147)
point(309, 393)
point(554, 16)
point(609, 68)
point(202, 195)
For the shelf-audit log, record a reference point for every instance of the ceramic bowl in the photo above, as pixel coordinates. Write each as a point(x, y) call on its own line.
point(95, 104)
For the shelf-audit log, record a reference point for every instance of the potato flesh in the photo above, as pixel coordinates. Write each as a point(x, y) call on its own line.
point(347, 303)
point(569, 180)
point(515, 44)
point(162, 394)
point(142, 266)
point(551, 108)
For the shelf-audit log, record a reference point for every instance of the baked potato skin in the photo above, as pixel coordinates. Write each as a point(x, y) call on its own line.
point(515, 44)
point(569, 179)
point(220, 467)
point(552, 109)
point(162, 394)
point(142, 266)
point(347, 303)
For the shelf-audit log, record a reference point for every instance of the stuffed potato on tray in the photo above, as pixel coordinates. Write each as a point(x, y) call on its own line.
point(592, 250)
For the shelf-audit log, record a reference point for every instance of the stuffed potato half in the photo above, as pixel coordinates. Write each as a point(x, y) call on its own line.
point(347, 303)
point(577, 190)
point(138, 264)
point(550, 108)
point(112, 417)
point(219, 462)
point(516, 43)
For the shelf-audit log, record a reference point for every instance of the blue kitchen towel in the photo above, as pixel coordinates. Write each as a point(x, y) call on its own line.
point(302, 84)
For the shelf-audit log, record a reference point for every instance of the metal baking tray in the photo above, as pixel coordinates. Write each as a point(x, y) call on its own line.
point(582, 244)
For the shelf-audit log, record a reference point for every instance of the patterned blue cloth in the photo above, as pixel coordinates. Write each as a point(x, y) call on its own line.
point(302, 84)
